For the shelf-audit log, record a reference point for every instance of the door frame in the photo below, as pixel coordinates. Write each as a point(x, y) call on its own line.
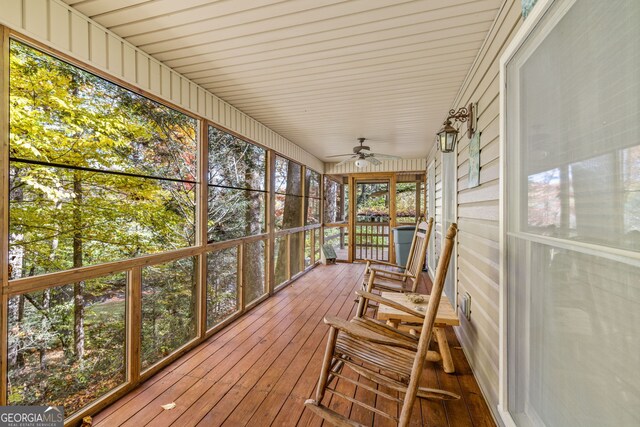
point(537, 13)
point(430, 212)
point(353, 179)
point(453, 265)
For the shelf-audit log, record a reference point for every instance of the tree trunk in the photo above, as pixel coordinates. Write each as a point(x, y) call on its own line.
point(78, 287)
point(305, 209)
point(331, 202)
point(291, 218)
point(253, 271)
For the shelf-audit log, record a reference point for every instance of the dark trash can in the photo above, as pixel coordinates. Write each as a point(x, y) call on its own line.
point(402, 238)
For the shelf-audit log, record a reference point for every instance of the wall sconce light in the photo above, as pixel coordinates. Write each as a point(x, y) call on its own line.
point(448, 135)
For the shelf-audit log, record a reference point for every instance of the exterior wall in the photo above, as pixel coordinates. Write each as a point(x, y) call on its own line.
point(478, 208)
point(402, 165)
point(59, 26)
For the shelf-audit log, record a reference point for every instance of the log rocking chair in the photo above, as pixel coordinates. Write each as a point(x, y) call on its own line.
point(383, 279)
point(386, 358)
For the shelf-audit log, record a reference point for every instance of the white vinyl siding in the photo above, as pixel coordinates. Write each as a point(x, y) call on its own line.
point(478, 256)
point(400, 165)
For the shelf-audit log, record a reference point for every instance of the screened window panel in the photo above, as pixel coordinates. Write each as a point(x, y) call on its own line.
point(406, 201)
point(313, 211)
point(222, 285)
point(308, 249)
point(61, 218)
point(253, 273)
point(334, 202)
point(280, 260)
point(234, 162)
point(235, 213)
point(42, 351)
point(312, 184)
point(169, 309)
point(64, 115)
point(573, 181)
point(316, 245)
point(288, 211)
point(98, 173)
point(297, 243)
point(288, 177)
point(338, 238)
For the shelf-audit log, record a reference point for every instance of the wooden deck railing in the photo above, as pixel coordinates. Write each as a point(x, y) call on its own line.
point(371, 240)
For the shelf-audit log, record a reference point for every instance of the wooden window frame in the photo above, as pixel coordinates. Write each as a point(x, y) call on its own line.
point(133, 267)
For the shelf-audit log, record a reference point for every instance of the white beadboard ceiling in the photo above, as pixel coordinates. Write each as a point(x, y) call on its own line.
point(319, 72)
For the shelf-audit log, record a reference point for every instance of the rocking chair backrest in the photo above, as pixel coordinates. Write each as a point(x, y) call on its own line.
point(418, 252)
point(427, 325)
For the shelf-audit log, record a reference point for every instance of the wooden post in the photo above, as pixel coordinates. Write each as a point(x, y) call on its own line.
point(301, 235)
point(134, 324)
point(4, 207)
point(352, 218)
point(271, 221)
point(202, 235)
point(241, 296)
point(392, 216)
point(321, 218)
point(288, 253)
point(312, 241)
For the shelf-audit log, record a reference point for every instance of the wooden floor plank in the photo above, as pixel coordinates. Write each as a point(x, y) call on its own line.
point(299, 329)
point(227, 371)
point(261, 368)
point(291, 361)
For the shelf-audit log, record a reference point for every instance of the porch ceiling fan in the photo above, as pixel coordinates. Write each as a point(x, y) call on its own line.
point(362, 155)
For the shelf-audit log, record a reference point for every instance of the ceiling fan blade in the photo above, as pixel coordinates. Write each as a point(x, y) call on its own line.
point(346, 161)
point(341, 155)
point(386, 156)
point(373, 160)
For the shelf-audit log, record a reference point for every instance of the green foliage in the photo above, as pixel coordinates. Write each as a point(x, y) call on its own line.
point(42, 369)
point(372, 200)
point(62, 115)
point(98, 173)
point(168, 308)
point(222, 285)
point(237, 174)
point(406, 201)
point(253, 272)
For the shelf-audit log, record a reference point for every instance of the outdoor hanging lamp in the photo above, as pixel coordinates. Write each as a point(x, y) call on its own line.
point(448, 135)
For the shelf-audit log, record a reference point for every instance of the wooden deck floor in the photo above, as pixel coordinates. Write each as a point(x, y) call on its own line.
point(259, 370)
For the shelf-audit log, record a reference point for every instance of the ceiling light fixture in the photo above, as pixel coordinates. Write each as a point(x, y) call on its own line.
point(360, 163)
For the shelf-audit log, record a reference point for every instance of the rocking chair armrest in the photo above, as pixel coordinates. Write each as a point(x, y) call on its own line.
point(390, 303)
point(393, 273)
point(384, 277)
point(365, 334)
point(373, 261)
